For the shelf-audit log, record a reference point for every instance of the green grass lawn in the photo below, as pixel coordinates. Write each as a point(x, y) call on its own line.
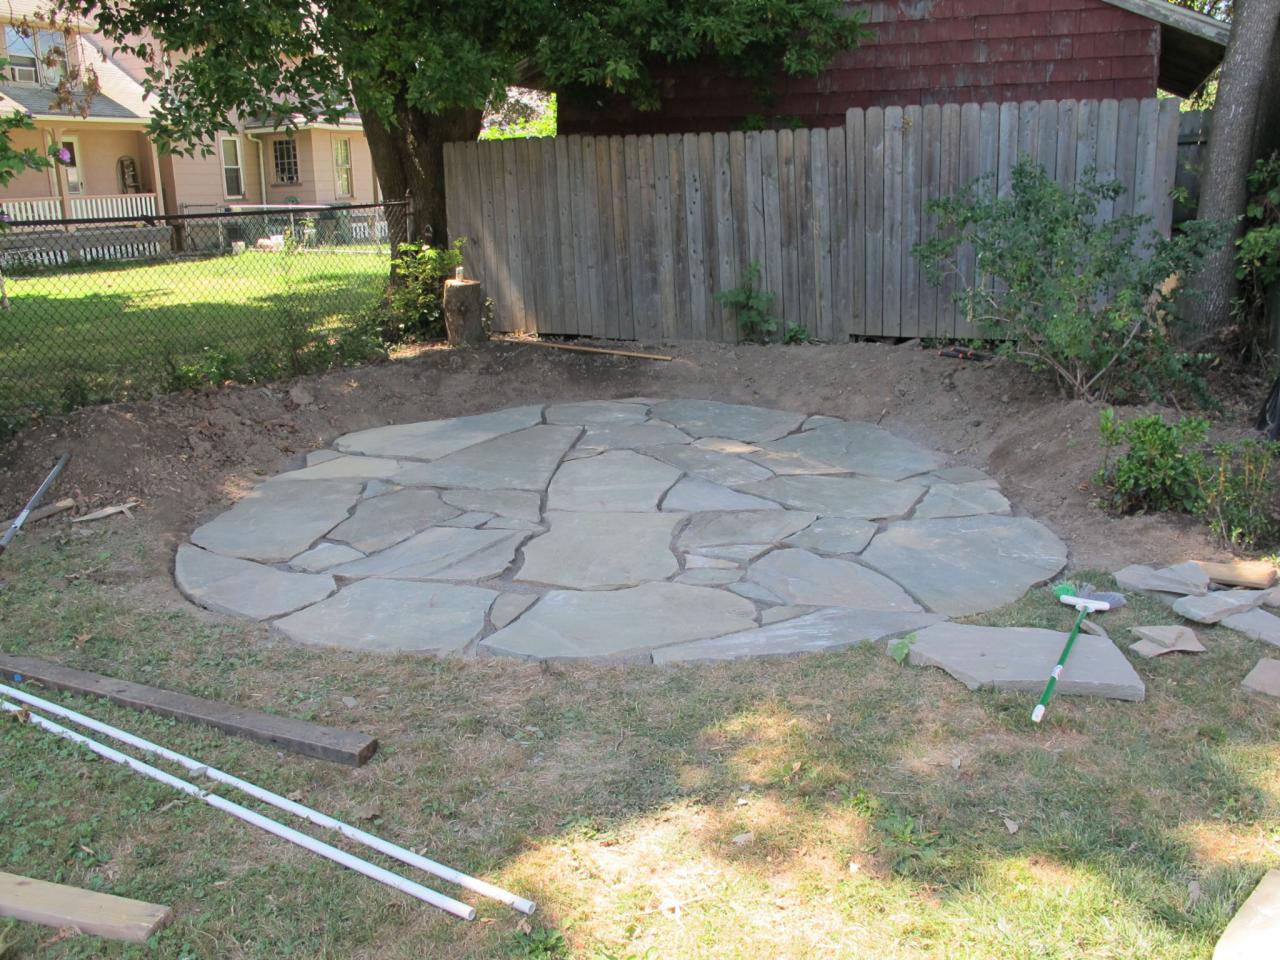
point(118, 331)
point(835, 805)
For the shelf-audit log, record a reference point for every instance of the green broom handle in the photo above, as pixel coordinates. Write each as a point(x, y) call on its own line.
point(1049, 687)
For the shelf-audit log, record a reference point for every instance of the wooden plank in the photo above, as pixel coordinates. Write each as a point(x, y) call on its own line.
point(855, 133)
point(633, 252)
point(891, 269)
point(513, 254)
point(969, 170)
point(566, 227)
point(452, 190)
point(755, 203)
point(1257, 574)
point(1066, 142)
point(874, 195)
point(548, 265)
point(623, 323)
point(529, 216)
point(1105, 155)
point(1145, 177)
point(95, 914)
point(707, 177)
point(806, 256)
point(591, 241)
point(1029, 130)
point(1127, 155)
point(931, 189)
point(950, 184)
point(726, 267)
point(283, 733)
point(912, 203)
point(1047, 138)
point(694, 239)
point(789, 302)
point(771, 192)
point(477, 262)
point(586, 313)
point(609, 299)
point(740, 214)
point(1086, 137)
point(989, 164)
point(504, 296)
point(1007, 148)
point(648, 300)
point(841, 267)
point(820, 202)
point(1166, 164)
point(664, 237)
point(680, 231)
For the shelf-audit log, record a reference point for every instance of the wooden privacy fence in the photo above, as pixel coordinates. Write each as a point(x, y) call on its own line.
point(631, 237)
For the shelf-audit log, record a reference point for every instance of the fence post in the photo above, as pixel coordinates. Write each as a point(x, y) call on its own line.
point(408, 217)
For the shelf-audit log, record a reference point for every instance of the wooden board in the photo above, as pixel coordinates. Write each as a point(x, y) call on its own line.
point(873, 199)
point(789, 228)
point(295, 736)
point(930, 188)
point(841, 273)
point(97, 914)
point(663, 232)
point(891, 226)
point(855, 168)
point(1258, 574)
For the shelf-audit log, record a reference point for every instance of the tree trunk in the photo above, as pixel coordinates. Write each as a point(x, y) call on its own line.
point(1233, 145)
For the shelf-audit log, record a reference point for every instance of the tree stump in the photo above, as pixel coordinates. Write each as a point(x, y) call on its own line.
point(464, 311)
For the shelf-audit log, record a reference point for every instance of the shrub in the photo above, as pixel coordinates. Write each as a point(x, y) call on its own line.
point(416, 299)
point(752, 307)
point(1160, 469)
point(1258, 250)
point(1085, 299)
point(1236, 493)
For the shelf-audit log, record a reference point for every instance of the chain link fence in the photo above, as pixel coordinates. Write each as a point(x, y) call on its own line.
point(98, 310)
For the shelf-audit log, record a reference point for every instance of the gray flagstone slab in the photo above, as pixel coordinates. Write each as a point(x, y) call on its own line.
point(1265, 678)
point(851, 497)
point(709, 577)
point(392, 616)
point(737, 553)
point(800, 577)
point(344, 468)
point(1155, 641)
point(693, 495)
point(593, 551)
point(957, 475)
point(517, 504)
point(860, 448)
point(1256, 624)
point(523, 460)
point(723, 468)
point(595, 412)
point(508, 606)
point(441, 553)
point(320, 456)
point(631, 436)
point(1217, 605)
point(432, 439)
point(960, 500)
point(710, 418)
point(620, 480)
point(323, 556)
point(276, 521)
point(834, 535)
point(244, 588)
point(388, 519)
point(746, 527)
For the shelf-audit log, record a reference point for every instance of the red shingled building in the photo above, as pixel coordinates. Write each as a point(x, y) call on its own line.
point(943, 51)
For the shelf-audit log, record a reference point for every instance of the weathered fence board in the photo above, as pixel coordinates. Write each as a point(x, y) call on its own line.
point(632, 237)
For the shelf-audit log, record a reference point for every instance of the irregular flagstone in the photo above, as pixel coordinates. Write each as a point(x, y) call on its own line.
point(593, 551)
point(432, 439)
point(441, 553)
point(960, 500)
point(1188, 579)
point(518, 504)
point(709, 577)
point(710, 418)
point(595, 411)
point(386, 520)
point(1264, 678)
point(1257, 625)
point(820, 630)
point(508, 606)
point(631, 436)
point(694, 562)
point(472, 518)
point(834, 535)
point(860, 448)
point(961, 566)
point(777, 614)
point(724, 445)
point(320, 456)
point(800, 577)
point(957, 475)
point(1020, 658)
point(344, 468)
point(1217, 605)
point(523, 460)
point(851, 497)
point(394, 615)
point(723, 468)
point(1134, 576)
point(1157, 641)
point(737, 552)
point(570, 623)
point(819, 420)
point(243, 588)
point(693, 495)
point(376, 488)
point(747, 527)
point(753, 591)
point(620, 480)
point(323, 556)
point(1254, 931)
point(277, 521)
point(511, 523)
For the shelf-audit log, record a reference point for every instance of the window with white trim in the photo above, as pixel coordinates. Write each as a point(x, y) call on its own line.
point(232, 169)
point(72, 168)
point(284, 153)
point(35, 56)
point(342, 166)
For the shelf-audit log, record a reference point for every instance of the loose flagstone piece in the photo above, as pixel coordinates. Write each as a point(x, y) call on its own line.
point(851, 497)
point(710, 418)
point(800, 577)
point(508, 606)
point(748, 527)
point(571, 623)
point(393, 615)
point(591, 412)
point(1157, 641)
point(244, 588)
point(386, 520)
point(631, 436)
point(1187, 579)
point(1256, 624)
point(517, 504)
point(441, 553)
point(821, 630)
point(723, 468)
point(692, 495)
point(834, 535)
point(277, 521)
point(523, 460)
point(344, 468)
point(960, 500)
point(1134, 576)
point(594, 551)
point(323, 556)
point(1271, 597)
point(859, 448)
point(1020, 658)
point(432, 439)
point(961, 566)
point(1264, 678)
point(620, 480)
point(1217, 605)
point(1254, 931)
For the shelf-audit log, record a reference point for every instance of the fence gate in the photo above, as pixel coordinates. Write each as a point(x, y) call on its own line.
point(631, 237)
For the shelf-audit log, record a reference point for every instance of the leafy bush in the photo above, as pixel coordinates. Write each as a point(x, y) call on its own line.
point(1237, 489)
point(1258, 250)
point(1160, 469)
point(416, 301)
point(1085, 299)
point(753, 307)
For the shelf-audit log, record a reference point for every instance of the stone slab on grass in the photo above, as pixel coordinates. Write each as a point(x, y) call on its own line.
point(244, 588)
point(1256, 624)
point(523, 460)
point(1217, 605)
point(386, 520)
point(834, 535)
point(392, 616)
point(568, 624)
point(857, 498)
point(694, 495)
point(960, 566)
point(279, 520)
point(595, 551)
point(619, 480)
point(1254, 932)
point(441, 553)
point(432, 439)
point(820, 630)
point(1020, 659)
point(1157, 641)
point(800, 577)
point(860, 448)
point(961, 500)
point(1183, 579)
point(1264, 677)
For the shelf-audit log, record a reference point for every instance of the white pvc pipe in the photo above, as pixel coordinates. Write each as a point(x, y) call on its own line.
point(370, 840)
point(448, 904)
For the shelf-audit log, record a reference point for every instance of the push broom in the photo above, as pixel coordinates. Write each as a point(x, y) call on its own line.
point(1084, 607)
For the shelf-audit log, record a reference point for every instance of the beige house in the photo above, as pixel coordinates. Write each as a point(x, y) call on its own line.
point(116, 171)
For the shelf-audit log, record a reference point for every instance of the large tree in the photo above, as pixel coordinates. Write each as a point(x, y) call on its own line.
point(421, 73)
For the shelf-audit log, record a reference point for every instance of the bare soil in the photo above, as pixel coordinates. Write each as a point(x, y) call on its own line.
point(187, 456)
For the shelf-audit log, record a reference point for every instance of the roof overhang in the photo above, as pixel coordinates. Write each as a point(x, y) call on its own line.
point(1191, 44)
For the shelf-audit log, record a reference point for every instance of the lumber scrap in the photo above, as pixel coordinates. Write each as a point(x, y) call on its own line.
point(1258, 574)
point(111, 511)
point(42, 513)
point(61, 906)
point(296, 736)
point(526, 342)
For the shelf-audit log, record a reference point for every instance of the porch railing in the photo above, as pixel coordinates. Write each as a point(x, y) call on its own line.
point(82, 207)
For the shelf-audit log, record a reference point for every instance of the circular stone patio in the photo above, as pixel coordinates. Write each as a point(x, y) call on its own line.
point(661, 530)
